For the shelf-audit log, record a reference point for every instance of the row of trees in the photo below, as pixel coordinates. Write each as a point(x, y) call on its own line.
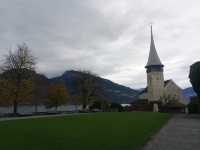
point(18, 83)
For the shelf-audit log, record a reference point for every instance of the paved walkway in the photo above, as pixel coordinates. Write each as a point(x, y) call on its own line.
point(182, 132)
point(39, 116)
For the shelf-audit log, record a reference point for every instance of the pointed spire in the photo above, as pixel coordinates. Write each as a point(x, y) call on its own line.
point(154, 59)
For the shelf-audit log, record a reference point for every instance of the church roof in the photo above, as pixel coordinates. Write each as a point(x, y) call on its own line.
point(166, 82)
point(154, 59)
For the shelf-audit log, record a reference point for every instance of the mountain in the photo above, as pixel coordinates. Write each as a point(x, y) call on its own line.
point(111, 91)
point(107, 90)
point(189, 92)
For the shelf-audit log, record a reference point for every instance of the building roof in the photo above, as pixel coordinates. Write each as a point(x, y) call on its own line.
point(153, 59)
point(166, 82)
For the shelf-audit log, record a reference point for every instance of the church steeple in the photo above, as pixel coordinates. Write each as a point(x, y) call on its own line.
point(153, 59)
point(155, 77)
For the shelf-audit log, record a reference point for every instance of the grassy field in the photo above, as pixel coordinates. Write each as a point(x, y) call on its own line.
point(98, 131)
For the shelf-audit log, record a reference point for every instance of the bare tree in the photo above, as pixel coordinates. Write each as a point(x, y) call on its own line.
point(18, 68)
point(86, 85)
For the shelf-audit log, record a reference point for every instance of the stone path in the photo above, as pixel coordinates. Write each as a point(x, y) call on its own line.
point(182, 132)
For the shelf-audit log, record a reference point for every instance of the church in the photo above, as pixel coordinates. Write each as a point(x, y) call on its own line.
point(158, 90)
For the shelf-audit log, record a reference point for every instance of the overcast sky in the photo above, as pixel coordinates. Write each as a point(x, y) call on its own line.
point(108, 37)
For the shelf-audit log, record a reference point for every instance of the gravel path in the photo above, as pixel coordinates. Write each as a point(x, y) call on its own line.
point(182, 132)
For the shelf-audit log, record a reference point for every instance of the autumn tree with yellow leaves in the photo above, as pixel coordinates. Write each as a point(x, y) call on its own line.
point(57, 95)
point(17, 76)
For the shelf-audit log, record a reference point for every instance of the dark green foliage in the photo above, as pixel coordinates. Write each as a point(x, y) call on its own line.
point(100, 104)
point(194, 105)
point(173, 106)
point(195, 77)
point(116, 107)
point(96, 105)
point(99, 131)
point(142, 105)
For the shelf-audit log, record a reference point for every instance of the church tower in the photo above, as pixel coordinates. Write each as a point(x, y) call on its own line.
point(155, 78)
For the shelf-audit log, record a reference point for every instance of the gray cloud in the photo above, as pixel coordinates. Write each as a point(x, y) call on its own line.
point(108, 37)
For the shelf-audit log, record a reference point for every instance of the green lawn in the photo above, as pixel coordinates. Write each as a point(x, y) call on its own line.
point(97, 131)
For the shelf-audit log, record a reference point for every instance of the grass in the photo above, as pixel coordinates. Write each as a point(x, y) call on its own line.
point(97, 131)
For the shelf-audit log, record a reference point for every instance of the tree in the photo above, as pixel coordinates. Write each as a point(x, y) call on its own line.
point(195, 77)
point(57, 95)
point(41, 84)
point(86, 86)
point(76, 101)
point(100, 104)
point(194, 105)
point(6, 92)
point(116, 107)
point(17, 73)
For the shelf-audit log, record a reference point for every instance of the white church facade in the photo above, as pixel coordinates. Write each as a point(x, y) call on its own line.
point(159, 90)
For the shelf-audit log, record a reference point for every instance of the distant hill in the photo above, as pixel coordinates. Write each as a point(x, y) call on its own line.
point(112, 92)
point(188, 92)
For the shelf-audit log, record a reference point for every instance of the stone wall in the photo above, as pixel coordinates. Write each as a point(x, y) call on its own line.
point(30, 109)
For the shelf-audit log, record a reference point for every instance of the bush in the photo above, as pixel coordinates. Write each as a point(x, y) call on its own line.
point(100, 104)
point(116, 107)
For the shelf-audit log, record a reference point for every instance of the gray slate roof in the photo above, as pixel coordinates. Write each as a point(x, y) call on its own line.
point(153, 55)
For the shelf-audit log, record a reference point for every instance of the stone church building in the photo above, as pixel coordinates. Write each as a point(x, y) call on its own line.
point(159, 90)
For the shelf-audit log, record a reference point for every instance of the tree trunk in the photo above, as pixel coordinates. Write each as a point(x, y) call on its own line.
point(84, 106)
point(36, 108)
point(15, 104)
point(85, 102)
point(76, 107)
point(56, 107)
point(15, 107)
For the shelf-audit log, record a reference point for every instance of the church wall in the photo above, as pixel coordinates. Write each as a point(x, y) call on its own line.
point(172, 90)
point(175, 91)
